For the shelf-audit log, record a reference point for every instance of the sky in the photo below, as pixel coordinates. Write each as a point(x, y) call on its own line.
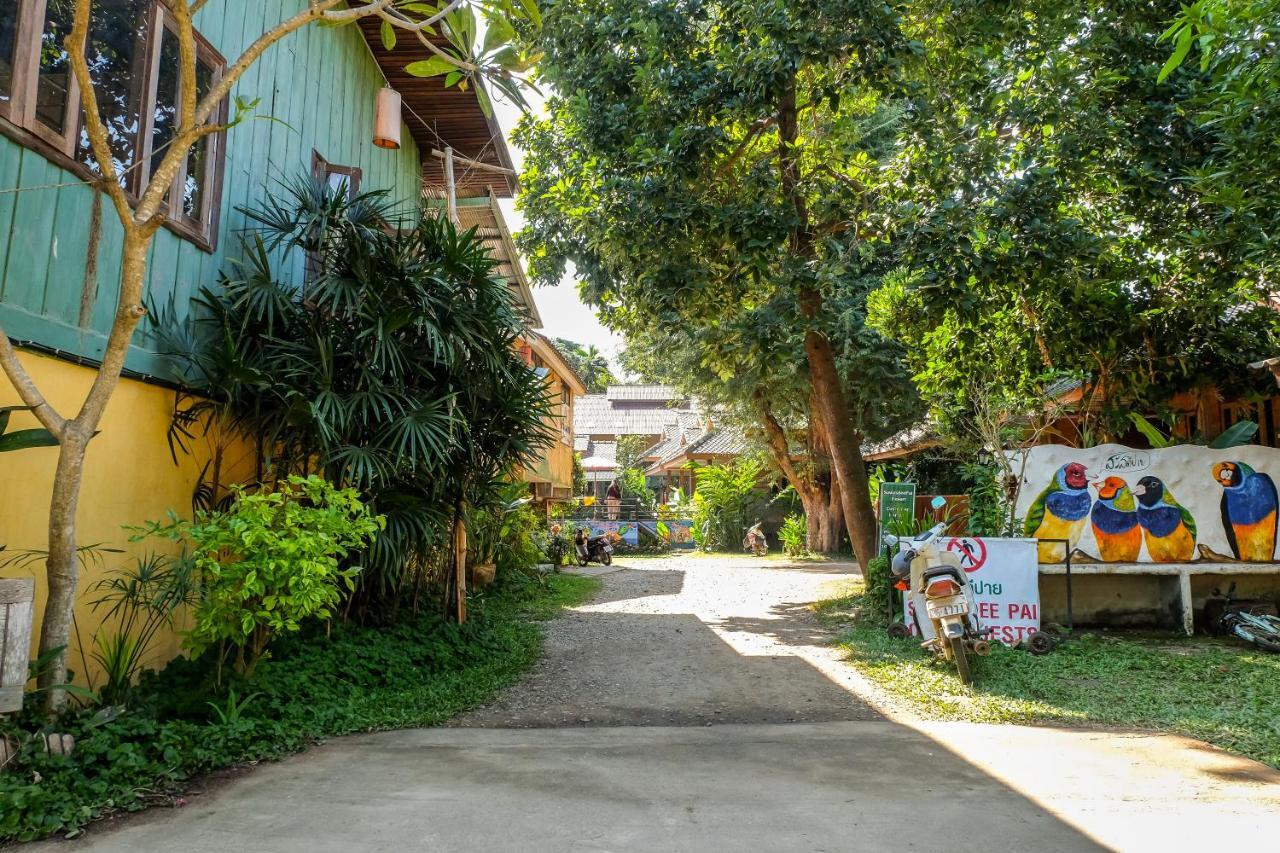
point(563, 314)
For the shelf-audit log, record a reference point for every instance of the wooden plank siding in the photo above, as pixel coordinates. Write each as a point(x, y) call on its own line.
point(319, 83)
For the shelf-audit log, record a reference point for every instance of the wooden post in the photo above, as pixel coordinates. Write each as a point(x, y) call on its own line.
point(460, 567)
point(17, 598)
point(450, 187)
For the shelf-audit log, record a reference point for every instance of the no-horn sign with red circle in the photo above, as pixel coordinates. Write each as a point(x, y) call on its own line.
point(971, 551)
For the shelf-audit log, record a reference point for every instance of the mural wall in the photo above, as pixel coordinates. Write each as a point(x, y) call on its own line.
point(1175, 505)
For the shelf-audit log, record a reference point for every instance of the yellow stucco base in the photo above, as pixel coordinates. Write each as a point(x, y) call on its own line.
point(129, 478)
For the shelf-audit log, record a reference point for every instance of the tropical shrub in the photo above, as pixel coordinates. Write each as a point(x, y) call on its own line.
point(794, 534)
point(136, 604)
point(393, 371)
point(878, 593)
point(723, 502)
point(269, 562)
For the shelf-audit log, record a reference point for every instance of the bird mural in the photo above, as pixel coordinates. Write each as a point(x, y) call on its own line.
point(1060, 511)
point(1248, 511)
point(1115, 522)
point(1167, 526)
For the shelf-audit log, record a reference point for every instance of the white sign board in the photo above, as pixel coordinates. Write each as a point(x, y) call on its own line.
point(1178, 504)
point(1005, 580)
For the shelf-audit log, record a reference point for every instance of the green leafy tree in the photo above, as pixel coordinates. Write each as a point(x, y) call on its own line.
point(589, 363)
point(1042, 199)
point(701, 157)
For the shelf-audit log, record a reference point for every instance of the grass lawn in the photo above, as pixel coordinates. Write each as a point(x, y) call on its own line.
point(1214, 689)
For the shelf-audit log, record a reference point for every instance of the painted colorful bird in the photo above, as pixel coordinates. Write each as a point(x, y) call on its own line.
point(1168, 526)
point(1115, 522)
point(1248, 511)
point(1060, 511)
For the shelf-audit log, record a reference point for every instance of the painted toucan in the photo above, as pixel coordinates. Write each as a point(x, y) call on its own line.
point(1060, 510)
point(1115, 522)
point(1168, 526)
point(1248, 511)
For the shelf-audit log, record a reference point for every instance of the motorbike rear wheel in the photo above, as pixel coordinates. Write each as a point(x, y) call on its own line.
point(959, 655)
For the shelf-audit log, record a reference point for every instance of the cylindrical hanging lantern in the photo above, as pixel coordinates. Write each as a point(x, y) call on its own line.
point(386, 119)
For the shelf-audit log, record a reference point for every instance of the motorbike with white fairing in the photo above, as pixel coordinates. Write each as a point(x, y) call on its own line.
point(927, 572)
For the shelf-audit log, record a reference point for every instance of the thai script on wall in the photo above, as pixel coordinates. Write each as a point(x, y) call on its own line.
point(1173, 505)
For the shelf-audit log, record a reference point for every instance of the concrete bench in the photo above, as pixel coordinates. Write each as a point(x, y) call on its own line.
point(1186, 584)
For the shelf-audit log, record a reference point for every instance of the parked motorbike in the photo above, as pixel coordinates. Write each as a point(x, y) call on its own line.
point(924, 569)
point(754, 542)
point(588, 548)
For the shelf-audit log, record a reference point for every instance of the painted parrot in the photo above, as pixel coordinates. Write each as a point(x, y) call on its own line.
point(1168, 526)
point(1060, 511)
point(1248, 511)
point(1115, 522)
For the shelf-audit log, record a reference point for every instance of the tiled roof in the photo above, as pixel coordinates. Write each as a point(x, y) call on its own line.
point(725, 441)
point(921, 436)
point(596, 414)
point(655, 393)
point(581, 443)
point(720, 441)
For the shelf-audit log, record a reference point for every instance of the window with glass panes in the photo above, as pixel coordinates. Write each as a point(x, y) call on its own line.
point(133, 58)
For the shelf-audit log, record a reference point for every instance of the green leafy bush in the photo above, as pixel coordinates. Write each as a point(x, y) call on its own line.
point(315, 684)
point(722, 505)
point(794, 535)
point(269, 562)
point(878, 593)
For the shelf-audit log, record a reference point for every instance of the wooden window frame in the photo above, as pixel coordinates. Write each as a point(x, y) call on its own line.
point(18, 121)
point(323, 168)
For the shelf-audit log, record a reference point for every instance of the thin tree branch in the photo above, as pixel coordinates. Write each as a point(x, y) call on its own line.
point(75, 44)
point(27, 389)
point(753, 133)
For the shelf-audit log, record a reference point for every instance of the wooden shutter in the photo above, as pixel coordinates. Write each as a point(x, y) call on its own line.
point(16, 601)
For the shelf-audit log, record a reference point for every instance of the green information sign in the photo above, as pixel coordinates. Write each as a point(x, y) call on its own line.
point(895, 500)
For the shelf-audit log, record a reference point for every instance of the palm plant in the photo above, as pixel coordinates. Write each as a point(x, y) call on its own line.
point(393, 370)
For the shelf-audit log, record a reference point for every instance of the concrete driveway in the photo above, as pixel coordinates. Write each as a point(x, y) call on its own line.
point(695, 705)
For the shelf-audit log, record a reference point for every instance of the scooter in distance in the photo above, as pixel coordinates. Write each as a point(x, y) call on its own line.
point(754, 542)
point(588, 548)
point(925, 570)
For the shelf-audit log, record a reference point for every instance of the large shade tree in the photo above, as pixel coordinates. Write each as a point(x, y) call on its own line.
point(704, 159)
point(1045, 200)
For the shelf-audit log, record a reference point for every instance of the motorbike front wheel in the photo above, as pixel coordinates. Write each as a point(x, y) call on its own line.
point(958, 654)
point(606, 558)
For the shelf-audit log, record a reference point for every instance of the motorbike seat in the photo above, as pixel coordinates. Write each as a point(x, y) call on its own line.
point(943, 571)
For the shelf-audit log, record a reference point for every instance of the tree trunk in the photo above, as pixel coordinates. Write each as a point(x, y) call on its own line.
point(61, 567)
point(845, 443)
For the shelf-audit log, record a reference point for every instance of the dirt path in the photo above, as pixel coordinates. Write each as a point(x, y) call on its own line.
point(686, 641)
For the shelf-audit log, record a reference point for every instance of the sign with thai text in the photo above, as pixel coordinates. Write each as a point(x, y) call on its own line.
point(1005, 581)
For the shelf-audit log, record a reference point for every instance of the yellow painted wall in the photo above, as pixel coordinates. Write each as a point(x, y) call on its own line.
point(129, 478)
